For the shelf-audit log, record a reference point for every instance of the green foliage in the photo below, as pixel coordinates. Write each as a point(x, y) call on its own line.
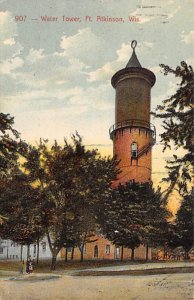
point(177, 115)
point(130, 215)
point(73, 182)
point(20, 205)
point(10, 147)
point(184, 224)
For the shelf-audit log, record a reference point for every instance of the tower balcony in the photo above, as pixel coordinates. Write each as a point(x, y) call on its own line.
point(133, 123)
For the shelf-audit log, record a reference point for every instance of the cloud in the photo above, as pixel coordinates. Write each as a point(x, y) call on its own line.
point(9, 48)
point(144, 47)
point(108, 69)
point(10, 41)
point(170, 90)
point(174, 12)
point(102, 74)
point(60, 82)
point(12, 64)
point(123, 54)
point(72, 44)
point(77, 99)
point(34, 55)
point(8, 27)
point(50, 71)
point(188, 38)
point(92, 97)
point(58, 68)
point(155, 69)
point(83, 46)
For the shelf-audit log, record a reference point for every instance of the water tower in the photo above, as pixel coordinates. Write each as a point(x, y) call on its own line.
point(133, 135)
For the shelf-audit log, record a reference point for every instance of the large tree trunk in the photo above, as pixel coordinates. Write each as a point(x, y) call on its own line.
point(147, 251)
point(164, 253)
point(54, 258)
point(72, 253)
point(122, 253)
point(53, 263)
point(38, 249)
point(132, 253)
point(186, 255)
point(21, 253)
point(81, 248)
point(82, 254)
point(54, 252)
point(66, 254)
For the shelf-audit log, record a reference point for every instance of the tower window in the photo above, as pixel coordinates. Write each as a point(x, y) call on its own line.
point(134, 150)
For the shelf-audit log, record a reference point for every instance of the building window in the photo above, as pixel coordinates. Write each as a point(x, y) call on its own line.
point(96, 251)
point(1, 250)
point(44, 247)
point(134, 150)
point(34, 249)
point(117, 252)
point(107, 249)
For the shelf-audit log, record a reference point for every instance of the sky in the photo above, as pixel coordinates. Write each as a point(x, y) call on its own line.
point(55, 75)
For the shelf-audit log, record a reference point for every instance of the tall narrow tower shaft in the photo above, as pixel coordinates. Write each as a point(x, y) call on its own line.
point(133, 135)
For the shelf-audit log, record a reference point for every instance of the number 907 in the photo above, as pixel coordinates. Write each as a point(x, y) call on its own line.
point(20, 18)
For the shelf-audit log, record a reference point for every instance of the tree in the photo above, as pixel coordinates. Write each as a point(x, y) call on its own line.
point(177, 115)
point(184, 224)
point(74, 181)
point(154, 229)
point(130, 216)
point(19, 204)
point(122, 215)
point(84, 228)
point(10, 146)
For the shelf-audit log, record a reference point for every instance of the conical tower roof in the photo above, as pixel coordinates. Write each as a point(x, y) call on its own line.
point(133, 61)
point(133, 69)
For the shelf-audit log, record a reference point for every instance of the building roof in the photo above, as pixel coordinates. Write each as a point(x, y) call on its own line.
point(133, 61)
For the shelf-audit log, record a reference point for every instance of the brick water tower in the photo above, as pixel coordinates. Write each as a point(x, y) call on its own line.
point(133, 135)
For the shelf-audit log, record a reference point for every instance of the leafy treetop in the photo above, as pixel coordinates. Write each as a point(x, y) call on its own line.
point(177, 115)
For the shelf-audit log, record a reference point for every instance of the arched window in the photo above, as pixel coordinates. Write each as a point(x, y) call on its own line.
point(96, 251)
point(134, 150)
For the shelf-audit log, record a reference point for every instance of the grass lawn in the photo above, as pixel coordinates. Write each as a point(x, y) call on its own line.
point(61, 266)
point(44, 265)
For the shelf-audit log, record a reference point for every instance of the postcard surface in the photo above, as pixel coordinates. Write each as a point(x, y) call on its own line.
point(57, 59)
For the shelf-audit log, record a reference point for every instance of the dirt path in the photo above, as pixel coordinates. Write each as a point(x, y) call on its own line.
point(150, 287)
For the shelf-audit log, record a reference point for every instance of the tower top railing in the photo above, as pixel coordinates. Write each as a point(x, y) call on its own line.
point(133, 123)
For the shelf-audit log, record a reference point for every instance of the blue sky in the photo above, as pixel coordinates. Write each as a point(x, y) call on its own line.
point(55, 76)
